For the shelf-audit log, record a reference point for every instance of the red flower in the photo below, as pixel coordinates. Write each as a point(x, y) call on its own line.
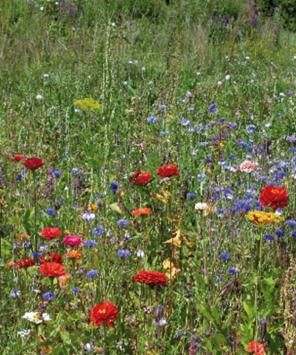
point(256, 348)
point(274, 197)
point(16, 157)
point(25, 263)
point(52, 269)
point(51, 233)
point(151, 278)
point(168, 170)
point(141, 212)
point(54, 257)
point(141, 177)
point(104, 312)
point(33, 163)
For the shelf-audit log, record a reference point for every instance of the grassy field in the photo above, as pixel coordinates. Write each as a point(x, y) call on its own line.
point(179, 96)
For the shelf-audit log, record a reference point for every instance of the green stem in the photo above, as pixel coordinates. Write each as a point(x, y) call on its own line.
point(258, 279)
point(35, 211)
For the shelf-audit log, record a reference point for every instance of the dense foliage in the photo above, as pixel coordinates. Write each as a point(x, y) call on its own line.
point(147, 178)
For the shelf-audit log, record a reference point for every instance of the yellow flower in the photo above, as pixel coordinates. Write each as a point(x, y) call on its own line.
point(88, 104)
point(92, 207)
point(164, 197)
point(169, 266)
point(261, 218)
point(175, 240)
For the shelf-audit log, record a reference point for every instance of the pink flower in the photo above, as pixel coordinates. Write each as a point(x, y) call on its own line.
point(72, 240)
point(248, 166)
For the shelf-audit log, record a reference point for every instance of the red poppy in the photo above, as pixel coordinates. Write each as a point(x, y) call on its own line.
point(151, 278)
point(274, 197)
point(256, 348)
point(168, 170)
point(105, 313)
point(25, 263)
point(16, 157)
point(141, 212)
point(33, 163)
point(51, 233)
point(141, 177)
point(52, 269)
point(54, 257)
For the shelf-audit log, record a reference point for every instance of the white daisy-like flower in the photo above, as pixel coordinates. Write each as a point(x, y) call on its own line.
point(36, 317)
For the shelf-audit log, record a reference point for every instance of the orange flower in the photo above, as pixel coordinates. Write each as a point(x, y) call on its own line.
point(141, 212)
point(64, 280)
point(73, 254)
point(52, 269)
point(255, 347)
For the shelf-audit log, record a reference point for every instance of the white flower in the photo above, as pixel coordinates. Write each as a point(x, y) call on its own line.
point(201, 206)
point(88, 216)
point(162, 322)
point(24, 333)
point(36, 317)
point(45, 75)
point(294, 57)
point(219, 83)
point(39, 97)
point(140, 253)
point(76, 110)
point(227, 77)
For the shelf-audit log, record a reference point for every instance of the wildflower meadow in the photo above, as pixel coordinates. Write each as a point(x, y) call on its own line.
point(147, 177)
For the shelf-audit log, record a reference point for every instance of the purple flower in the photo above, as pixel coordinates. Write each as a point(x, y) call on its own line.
point(14, 293)
point(212, 108)
point(98, 231)
point(224, 256)
point(122, 223)
point(268, 237)
point(251, 128)
point(92, 274)
point(151, 119)
point(123, 253)
point(48, 296)
point(114, 185)
point(191, 196)
point(89, 243)
point(184, 122)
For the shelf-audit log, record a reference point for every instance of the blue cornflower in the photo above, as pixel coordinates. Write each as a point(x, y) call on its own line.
point(228, 193)
point(164, 133)
point(42, 247)
point(212, 108)
point(291, 223)
point(57, 173)
point(122, 223)
point(15, 245)
point(241, 206)
point(191, 196)
point(268, 237)
point(251, 128)
point(114, 185)
point(36, 254)
point(224, 256)
point(279, 232)
point(123, 253)
point(92, 274)
point(201, 176)
point(184, 122)
point(27, 244)
point(221, 120)
point(233, 271)
point(75, 171)
point(75, 290)
point(98, 231)
point(293, 234)
point(48, 296)
point(14, 293)
point(89, 243)
point(162, 107)
point(151, 119)
point(51, 211)
point(232, 125)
